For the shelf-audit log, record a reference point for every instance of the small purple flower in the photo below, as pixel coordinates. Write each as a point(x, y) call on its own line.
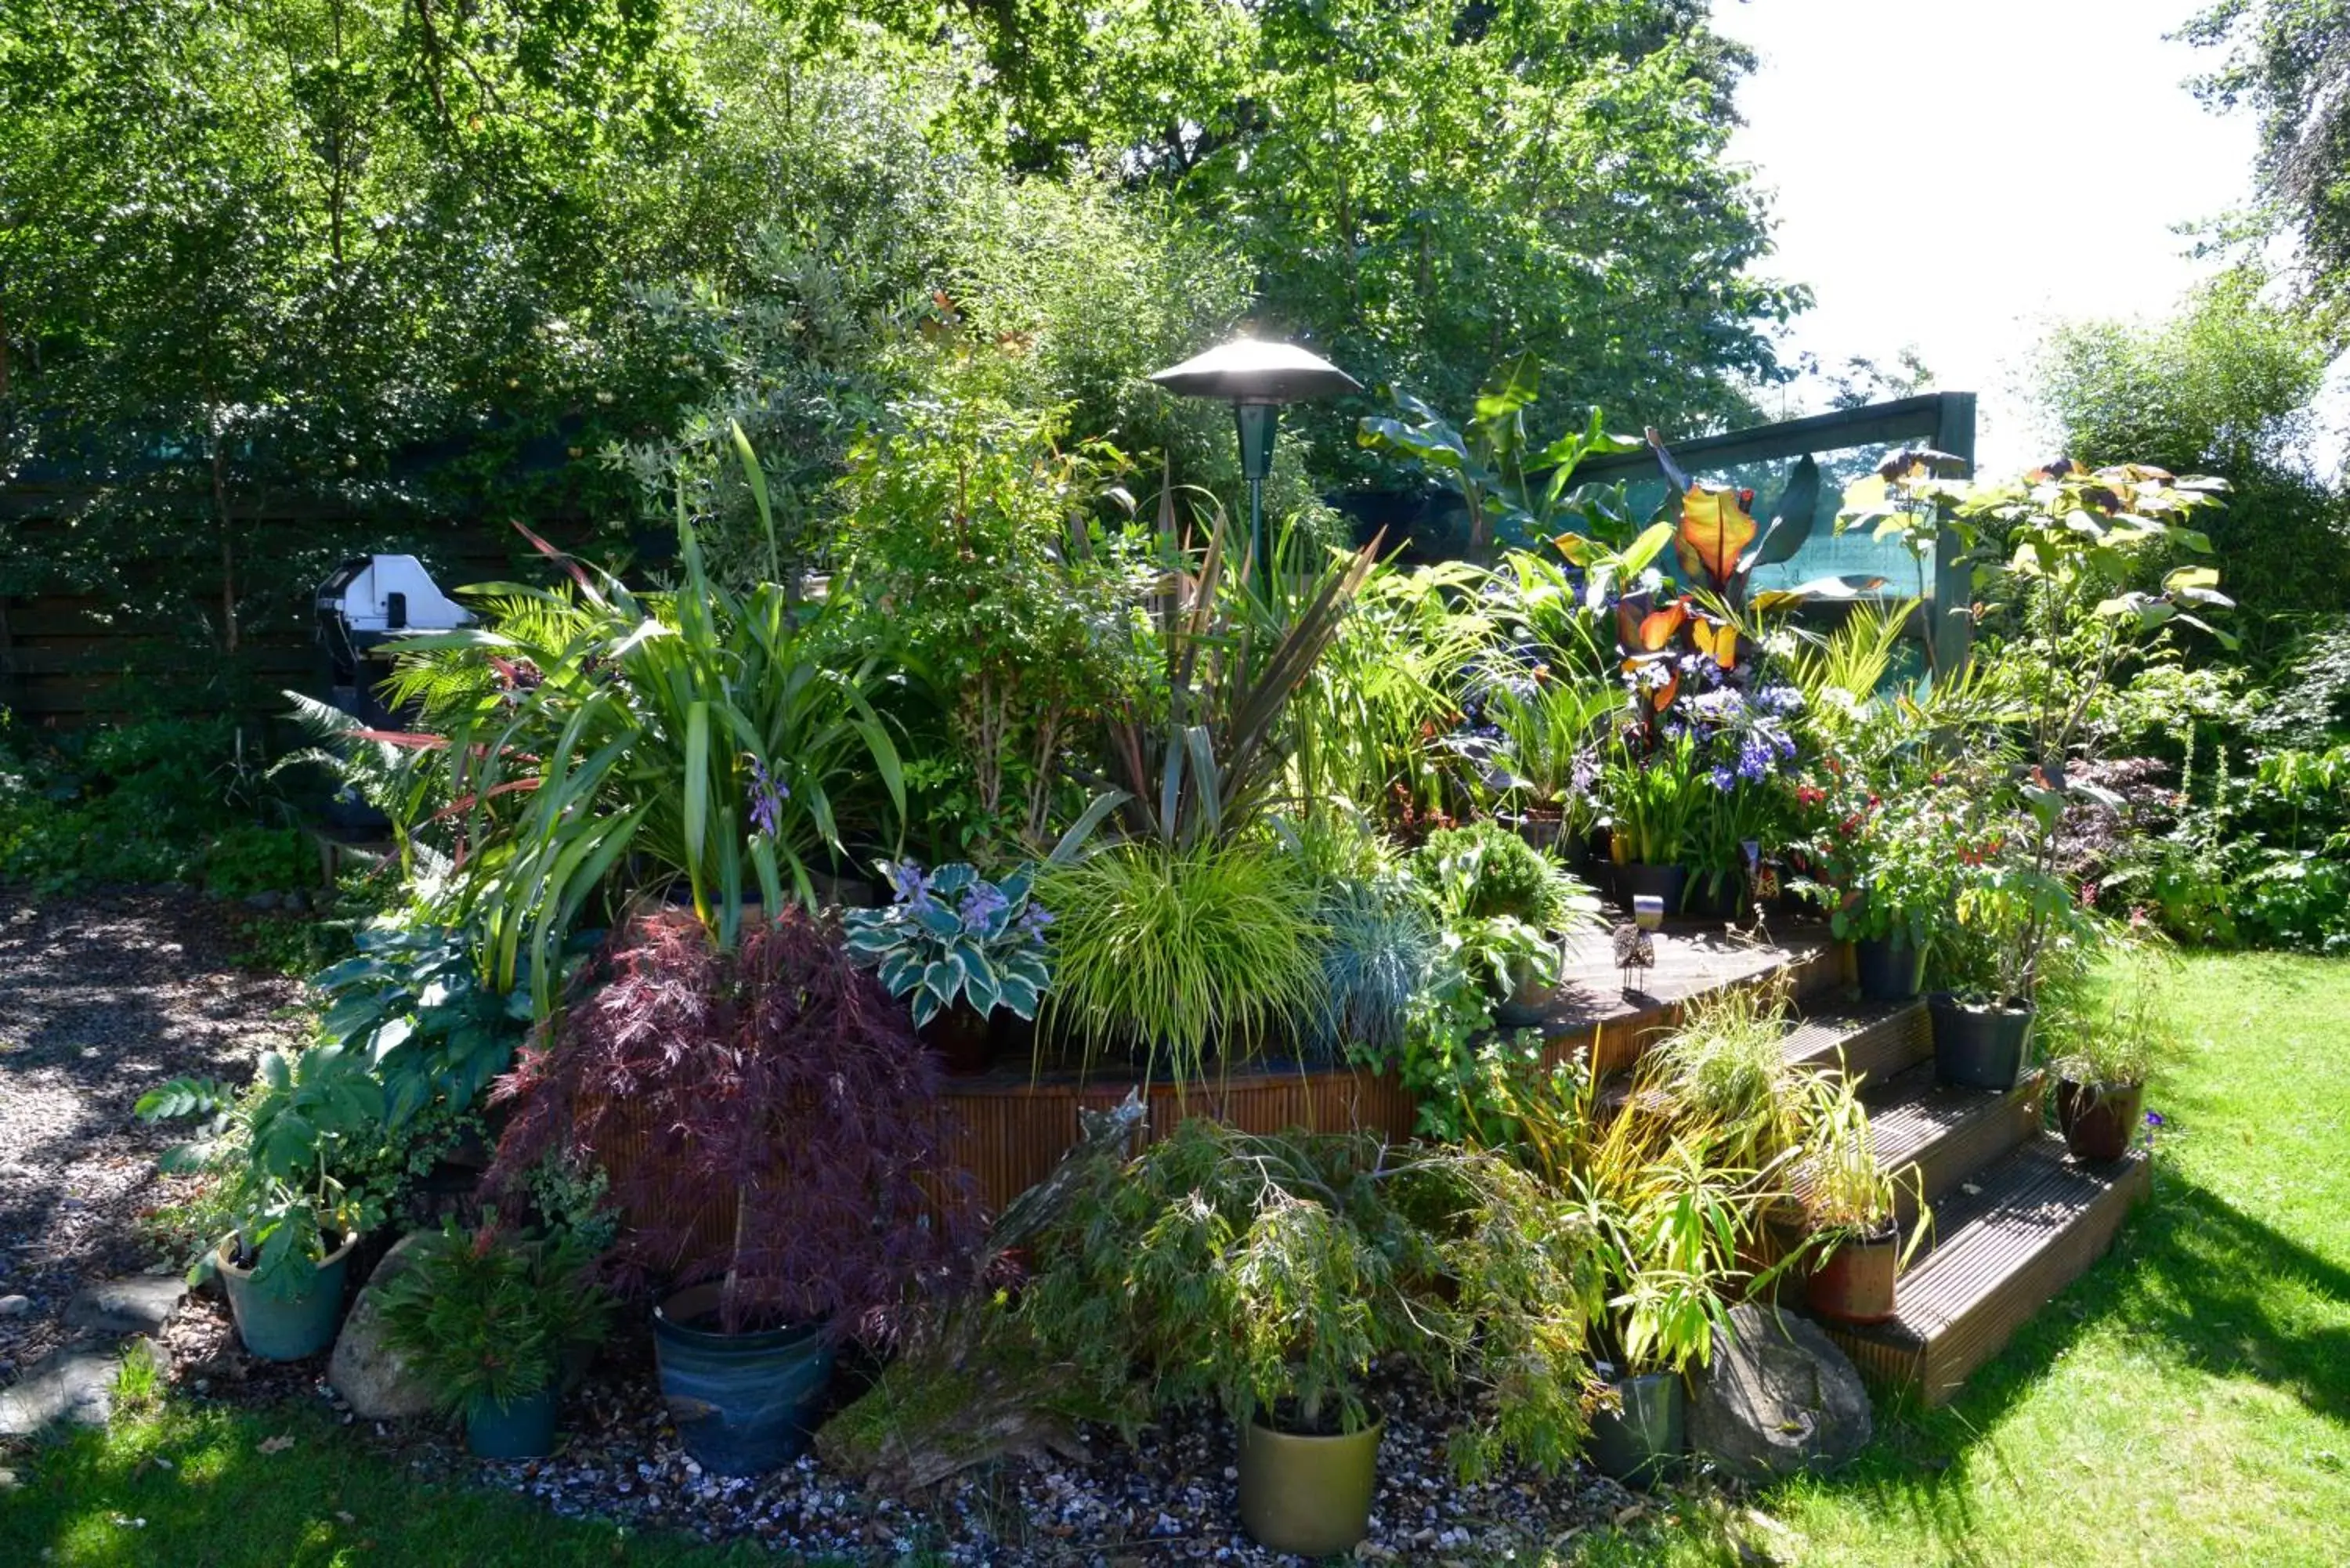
point(2154, 1118)
point(981, 905)
point(910, 886)
point(767, 802)
point(1033, 921)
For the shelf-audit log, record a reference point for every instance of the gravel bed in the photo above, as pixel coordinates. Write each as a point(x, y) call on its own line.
point(102, 998)
point(1168, 1498)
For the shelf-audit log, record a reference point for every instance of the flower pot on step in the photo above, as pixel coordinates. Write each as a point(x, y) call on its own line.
point(1306, 1493)
point(1641, 1441)
point(520, 1429)
point(1888, 967)
point(1979, 1045)
point(278, 1326)
point(1667, 883)
point(743, 1403)
point(2098, 1119)
point(1854, 1283)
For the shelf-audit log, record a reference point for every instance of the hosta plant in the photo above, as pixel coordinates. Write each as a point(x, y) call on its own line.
point(950, 935)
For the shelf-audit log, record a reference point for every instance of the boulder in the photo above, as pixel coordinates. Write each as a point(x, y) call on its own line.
point(142, 1303)
point(1779, 1398)
point(364, 1369)
point(74, 1383)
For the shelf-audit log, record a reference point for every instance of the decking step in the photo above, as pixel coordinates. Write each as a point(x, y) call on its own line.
point(2001, 1245)
point(1946, 1134)
point(1875, 1039)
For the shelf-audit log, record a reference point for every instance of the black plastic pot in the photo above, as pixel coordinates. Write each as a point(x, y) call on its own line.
point(2098, 1119)
point(1713, 894)
point(1642, 1442)
point(1670, 883)
point(743, 1403)
point(1890, 969)
point(1977, 1045)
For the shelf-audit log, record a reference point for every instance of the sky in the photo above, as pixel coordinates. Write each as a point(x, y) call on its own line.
point(1954, 176)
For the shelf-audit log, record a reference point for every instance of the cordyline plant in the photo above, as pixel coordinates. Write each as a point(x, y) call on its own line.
point(776, 1077)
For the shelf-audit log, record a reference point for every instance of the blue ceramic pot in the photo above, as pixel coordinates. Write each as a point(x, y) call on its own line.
point(743, 1403)
point(521, 1428)
point(278, 1327)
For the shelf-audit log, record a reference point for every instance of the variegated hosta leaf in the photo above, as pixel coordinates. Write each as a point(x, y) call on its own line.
point(1020, 995)
point(940, 922)
point(979, 991)
point(901, 973)
point(951, 880)
point(926, 1007)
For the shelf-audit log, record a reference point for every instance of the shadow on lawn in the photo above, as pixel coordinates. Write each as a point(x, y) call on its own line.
point(2193, 1279)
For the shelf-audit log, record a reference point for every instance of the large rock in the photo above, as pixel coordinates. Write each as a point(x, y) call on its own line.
point(364, 1369)
point(142, 1303)
point(1779, 1398)
point(74, 1383)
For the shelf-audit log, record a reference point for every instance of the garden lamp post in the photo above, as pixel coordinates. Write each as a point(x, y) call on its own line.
point(1256, 379)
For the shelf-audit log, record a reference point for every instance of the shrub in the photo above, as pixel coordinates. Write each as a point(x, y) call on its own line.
point(1485, 871)
point(776, 1076)
point(1183, 953)
point(1267, 1273)
point(491, 1317)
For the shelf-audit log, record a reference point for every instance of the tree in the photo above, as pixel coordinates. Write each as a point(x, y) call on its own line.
point(2223, 387)
point(1425, 188)
point(2289, 62)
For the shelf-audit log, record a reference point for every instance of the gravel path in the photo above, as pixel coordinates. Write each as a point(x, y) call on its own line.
point(101, 998)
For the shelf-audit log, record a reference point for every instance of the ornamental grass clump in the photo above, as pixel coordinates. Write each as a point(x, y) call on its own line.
point(1182, 954)
point(772, 1095)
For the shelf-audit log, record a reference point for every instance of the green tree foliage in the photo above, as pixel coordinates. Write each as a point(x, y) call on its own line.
point(1425, 187)
point(2223, 387)
point(2286, 61)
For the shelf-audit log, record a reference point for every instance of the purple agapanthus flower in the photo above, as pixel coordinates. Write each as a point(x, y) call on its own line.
point(766, 800)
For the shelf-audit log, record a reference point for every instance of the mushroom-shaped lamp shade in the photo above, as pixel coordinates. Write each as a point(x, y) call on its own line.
point(1247, 371)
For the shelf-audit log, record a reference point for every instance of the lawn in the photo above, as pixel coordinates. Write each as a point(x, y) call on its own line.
point(2188, 1403)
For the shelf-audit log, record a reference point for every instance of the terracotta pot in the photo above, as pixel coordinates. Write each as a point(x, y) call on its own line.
point(2098, 1119)
point(1854, 1283)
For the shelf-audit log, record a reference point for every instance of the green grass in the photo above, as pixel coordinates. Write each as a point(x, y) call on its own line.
point(2188, 1403)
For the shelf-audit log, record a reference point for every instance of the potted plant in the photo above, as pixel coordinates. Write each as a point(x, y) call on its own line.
point(2102, 1054)
point(1268, 1272)
point(1653, 806)
point(1669, 1228)
point(1885, 869)
point(492, 1320)
point(1545, 759)
point(954, 947)
point(274, 1153)
point(2013, 920)
point(1501, 907)
point(777, 1147)
point(1852, 1209)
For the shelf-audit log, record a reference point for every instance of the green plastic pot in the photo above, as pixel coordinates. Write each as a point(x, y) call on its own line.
point(1641, 1442)
point(1306, 1493)
point(521, 1428)
point(285, 1327)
